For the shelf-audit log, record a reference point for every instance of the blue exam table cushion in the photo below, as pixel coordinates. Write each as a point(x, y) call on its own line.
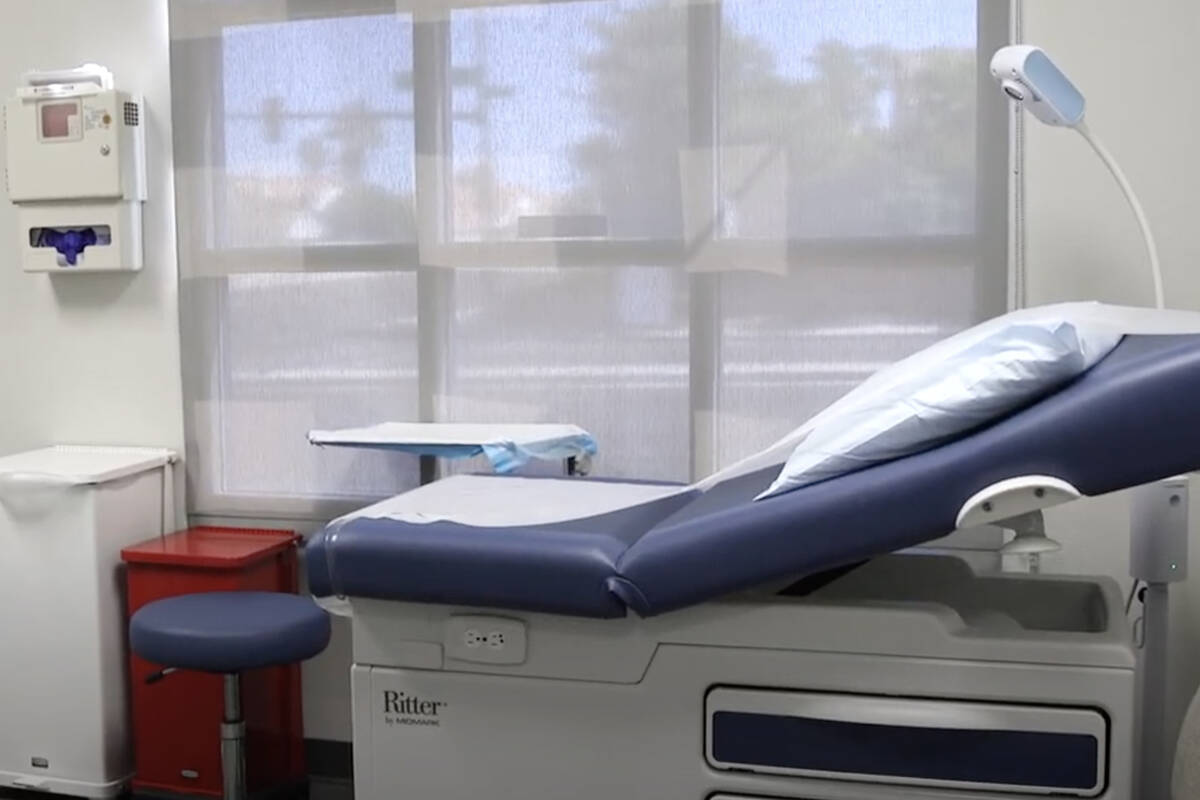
point(1130, 420)
point(557, 539)
point(229, 631)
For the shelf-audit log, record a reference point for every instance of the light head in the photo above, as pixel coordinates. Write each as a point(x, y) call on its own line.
point(1028, 76)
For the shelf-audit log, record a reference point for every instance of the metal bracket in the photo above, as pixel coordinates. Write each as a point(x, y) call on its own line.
point(1030, 539)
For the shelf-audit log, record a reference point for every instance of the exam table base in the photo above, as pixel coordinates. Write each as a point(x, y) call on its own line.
point(617, 708)
point(517, 739)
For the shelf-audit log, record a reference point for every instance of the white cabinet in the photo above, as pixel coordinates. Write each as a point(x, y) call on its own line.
point(65, 514)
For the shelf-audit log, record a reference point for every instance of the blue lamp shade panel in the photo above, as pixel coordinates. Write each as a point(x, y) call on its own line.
point(1055, 87)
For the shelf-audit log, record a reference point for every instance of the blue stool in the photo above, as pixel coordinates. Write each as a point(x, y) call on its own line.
point(229, 633)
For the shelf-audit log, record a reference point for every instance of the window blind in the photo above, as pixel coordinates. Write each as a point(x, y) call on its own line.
point(686, 226)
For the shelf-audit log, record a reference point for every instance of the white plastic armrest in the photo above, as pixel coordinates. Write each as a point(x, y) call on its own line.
point(1012, 497)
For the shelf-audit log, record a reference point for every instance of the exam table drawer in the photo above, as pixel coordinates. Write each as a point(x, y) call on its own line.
point(919, 742)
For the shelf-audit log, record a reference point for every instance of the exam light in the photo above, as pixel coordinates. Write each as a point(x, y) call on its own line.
point(1028, 76)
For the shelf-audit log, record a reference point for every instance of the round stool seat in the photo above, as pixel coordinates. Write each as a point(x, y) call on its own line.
point(229, 631)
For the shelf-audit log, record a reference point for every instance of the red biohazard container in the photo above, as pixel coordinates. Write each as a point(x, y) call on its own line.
point(177, 721)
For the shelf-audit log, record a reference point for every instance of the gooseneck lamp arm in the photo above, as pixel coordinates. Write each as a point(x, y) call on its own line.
point(1131, 196)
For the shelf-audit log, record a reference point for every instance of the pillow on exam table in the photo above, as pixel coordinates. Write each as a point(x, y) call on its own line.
point(963, 382)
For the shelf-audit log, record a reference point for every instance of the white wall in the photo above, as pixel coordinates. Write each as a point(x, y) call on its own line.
point(93, 358)
point(1136, 64)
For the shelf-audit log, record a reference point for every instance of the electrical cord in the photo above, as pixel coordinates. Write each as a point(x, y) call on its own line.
point(1132, 594)
point(1139, 628)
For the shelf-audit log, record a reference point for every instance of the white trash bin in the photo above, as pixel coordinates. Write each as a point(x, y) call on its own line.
point(65, 514)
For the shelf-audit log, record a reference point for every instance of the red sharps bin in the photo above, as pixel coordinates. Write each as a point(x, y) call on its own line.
point(177, 721)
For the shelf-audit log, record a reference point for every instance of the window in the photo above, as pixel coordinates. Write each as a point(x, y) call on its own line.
point(686, 226)
point(316, 136)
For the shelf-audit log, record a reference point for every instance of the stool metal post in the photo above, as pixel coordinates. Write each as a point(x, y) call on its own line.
point(233, 739)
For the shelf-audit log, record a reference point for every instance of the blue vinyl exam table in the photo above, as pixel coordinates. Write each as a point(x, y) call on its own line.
point(664, 642)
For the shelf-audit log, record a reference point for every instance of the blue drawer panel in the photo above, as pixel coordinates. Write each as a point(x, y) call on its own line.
point(974, 756)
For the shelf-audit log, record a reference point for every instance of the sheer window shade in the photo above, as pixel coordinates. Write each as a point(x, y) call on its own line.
point(686, 226)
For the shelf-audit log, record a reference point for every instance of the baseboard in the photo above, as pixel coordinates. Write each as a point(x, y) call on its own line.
point(328, 758)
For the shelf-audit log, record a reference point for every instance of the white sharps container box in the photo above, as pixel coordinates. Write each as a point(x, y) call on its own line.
point(65, 514)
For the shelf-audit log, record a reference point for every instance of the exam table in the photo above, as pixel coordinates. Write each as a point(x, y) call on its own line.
point(672, 642)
